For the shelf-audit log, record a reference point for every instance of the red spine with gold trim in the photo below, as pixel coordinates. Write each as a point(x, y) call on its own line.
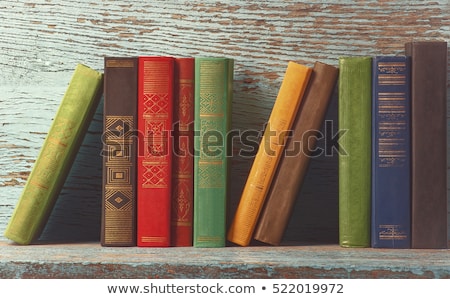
point(183, 159)
point(154, 171)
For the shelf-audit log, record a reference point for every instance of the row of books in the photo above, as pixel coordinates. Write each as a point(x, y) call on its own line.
point(162, 186)
point(392, 152)
point(150, 170)
point(165, 151)
point(393, 174)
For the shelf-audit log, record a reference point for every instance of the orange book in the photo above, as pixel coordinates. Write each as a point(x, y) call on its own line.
point(271, 147)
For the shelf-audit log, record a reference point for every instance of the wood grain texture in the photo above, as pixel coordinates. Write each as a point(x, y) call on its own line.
point(88, 260)
point(41, 42)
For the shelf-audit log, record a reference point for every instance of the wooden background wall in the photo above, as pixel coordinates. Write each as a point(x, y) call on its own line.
point(42, 41)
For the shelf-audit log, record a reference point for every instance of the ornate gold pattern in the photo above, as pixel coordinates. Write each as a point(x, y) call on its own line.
point(118, 192)
point(156, 134)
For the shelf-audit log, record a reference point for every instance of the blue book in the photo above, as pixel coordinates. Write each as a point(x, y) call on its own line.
point(391, 152)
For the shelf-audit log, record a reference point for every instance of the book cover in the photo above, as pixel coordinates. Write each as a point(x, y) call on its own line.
point(293, 165)
point(269, 152)
point(429, 143)
point(154, 170)
point(354, 122)
point(391, 154)
point(118, 226)
point(183, 155)
point(56, 156)
point(213, 101)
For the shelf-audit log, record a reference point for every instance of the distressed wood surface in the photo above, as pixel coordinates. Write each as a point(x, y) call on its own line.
point(41, 42)
point(325, 261)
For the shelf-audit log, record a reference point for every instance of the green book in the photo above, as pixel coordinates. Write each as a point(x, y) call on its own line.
point(56, 156)
point(354, 121)
point(213, 97)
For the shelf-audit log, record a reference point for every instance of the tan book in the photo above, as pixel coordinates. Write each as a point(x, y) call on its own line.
point(269, 152)
point(294, 162)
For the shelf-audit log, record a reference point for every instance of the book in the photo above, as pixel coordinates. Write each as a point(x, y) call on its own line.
point(183, 157)
point(154, 170)
point(391, 152)
point(293, 165)
point(354, 122)
point(269, 152)
point(429, 143)
point(56, 156)
point(212, 122)
point(118, 226)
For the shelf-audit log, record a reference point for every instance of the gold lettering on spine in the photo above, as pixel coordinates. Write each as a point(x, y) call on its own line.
point(391, 232)
point(120, 63)
point(392, 122)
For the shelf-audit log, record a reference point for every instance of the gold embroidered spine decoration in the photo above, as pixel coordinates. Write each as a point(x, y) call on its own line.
point(392, 111)
point(211, 173)
point(118, 187)
point(156, 112)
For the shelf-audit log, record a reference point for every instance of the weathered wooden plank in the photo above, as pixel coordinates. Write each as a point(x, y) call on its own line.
point(325, 261)
point(41, 41)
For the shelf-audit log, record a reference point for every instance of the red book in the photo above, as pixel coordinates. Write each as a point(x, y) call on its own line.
point(155, 106)
point(183, 158)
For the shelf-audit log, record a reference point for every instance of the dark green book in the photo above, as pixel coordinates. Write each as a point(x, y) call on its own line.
point(213, 97)
point(354, 106)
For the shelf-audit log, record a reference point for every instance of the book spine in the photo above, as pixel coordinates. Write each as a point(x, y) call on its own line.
point(213, 99)
point(269, 152)
point(183, 158)
point(294, 161)
point(154, 171)
point(118, 227)
point(429, 143)
point(354, 122)
point(391, 155)
point(56, 155)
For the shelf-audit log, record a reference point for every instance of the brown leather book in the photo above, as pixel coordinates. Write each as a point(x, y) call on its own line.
point(119, 152)
point(429, 143)
point(294, 162)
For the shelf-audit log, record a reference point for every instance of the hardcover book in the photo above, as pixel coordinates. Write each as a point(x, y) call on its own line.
point(391, 154)
point(183, 157)
point(429, 143)
point(154, 171)
point(213, 99)
point(269, 152)
point(295, 158)
point(56, 156)
point(354, 122)
point(119, 152)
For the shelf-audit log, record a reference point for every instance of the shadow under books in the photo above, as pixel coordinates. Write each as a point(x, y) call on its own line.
point(77, 212)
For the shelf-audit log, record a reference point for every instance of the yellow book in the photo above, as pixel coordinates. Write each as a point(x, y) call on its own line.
point(270, 150)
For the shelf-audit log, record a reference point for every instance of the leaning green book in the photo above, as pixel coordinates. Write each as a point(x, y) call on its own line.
point(212, 122)
point(354, 121)
point(56, 156)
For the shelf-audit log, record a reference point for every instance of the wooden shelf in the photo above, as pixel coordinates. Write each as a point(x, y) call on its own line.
point(43, 41)
point(90, 260)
